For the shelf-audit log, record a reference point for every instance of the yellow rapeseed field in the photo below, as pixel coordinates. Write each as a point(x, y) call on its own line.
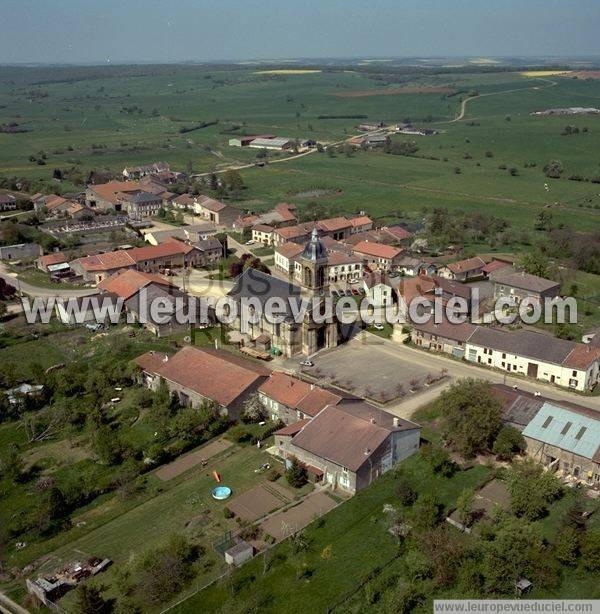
point(545, 73)
point(287, 71)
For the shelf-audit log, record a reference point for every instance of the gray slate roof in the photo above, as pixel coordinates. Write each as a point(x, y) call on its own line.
point(524, 281)
point(523, 343)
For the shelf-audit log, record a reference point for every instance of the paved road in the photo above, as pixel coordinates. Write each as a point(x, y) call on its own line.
point(457, 370)
point(31, 290)
point(8, 606)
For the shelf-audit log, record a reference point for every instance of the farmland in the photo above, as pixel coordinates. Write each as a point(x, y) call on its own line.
point(108, 118)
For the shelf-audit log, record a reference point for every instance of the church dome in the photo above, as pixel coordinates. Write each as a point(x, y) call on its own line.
point(314, 250)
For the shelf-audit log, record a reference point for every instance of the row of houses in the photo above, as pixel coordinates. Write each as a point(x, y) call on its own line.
point(344, 442)
point(169, 254)
point(523, 352)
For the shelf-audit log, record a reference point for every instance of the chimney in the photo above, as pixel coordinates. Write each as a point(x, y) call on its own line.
point(396, 421)
point(372, 420)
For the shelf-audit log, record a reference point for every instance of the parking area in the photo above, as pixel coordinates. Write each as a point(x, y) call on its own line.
point(367, 366)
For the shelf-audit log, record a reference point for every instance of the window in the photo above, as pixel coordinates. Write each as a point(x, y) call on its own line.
point(581, 432)
point(574, 374)
point(503, 355)
point(547, 422)
point(565, 428)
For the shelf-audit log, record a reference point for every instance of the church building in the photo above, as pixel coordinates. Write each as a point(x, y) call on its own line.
point(289, 337)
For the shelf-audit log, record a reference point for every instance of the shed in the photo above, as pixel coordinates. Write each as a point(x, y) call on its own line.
point(240, 553)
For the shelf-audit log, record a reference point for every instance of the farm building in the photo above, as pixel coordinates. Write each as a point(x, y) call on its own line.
point(278, 143)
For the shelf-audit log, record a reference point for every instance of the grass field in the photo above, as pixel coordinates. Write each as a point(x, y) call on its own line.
point(110, 121)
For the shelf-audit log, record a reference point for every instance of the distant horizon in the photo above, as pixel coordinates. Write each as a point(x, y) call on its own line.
point(81, 31)
point(321, 60)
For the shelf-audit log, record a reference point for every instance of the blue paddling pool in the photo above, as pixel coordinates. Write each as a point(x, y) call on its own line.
point(221, 492)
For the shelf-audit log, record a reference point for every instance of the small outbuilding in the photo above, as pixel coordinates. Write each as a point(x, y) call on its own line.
point(240, 553)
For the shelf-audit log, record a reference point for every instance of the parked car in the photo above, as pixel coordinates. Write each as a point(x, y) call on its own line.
point(355, 292)
point(353, 281)
point(348, 292)
point(251, 242)
point(307, 363)
point(378, 326)
point(335, 293)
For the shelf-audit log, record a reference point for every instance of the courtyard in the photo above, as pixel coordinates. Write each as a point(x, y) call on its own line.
point(367, 366)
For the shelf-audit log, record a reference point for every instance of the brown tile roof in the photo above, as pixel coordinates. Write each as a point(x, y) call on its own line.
point(582, 356)
point(151, 361)
point(398, 232)
point(286, 211)
point(296, 394)
point(53, 258)
point(333, 224)
point(339, 258)
point(495, 265)
point(316, 400)
point(348, 434)
point(128, 282)
point(290, 250)
point(184, 199)
point(464, 266)
point(53, 201)
point(377, 250)
point(211, 204)
point(215, 375)
point(446, 329)
point(162, 250)
point(361, 220)
point(112, 190)
point(293, 429)
point(294, 232)
point(263, 228)
point(106, 262)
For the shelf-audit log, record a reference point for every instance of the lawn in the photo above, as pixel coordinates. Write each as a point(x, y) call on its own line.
point(345, 546)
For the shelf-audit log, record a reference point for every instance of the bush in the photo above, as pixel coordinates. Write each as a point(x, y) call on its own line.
point(227, 513)
point(406, 493)
point(273, 475)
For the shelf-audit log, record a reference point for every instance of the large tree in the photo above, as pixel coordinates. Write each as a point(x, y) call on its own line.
point(471, 416)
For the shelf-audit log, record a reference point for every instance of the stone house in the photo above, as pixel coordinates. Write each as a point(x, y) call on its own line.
point(21, 251)
point(199, 375)
point(520, 285)
point(349, 445)
point(463, 270)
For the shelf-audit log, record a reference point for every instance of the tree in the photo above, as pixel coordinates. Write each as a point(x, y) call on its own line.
point(543, 220)
point(590, 550)
point(253, 410)
point(531, 488)
point(471, 416)
point(107, 445)
point(534, 262)
point(406, 598)
point(89, 600)
point(427, 511)
point(233, 180)
point(3, 310)
point(554, 169)
point(296, 475)
point(566, 547)
point(508, 443)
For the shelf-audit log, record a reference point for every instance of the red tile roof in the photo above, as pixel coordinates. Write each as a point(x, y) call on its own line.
point(112, 191)
point(53, 258)
point(399, 232)
point(128, 282)
point(162, 250)
point(494, 265)
point(211, 204)
point(582, 356)
point(214, 375)
point(290, 250)
point(106, 262)
point(464, 266)
point(296, 394)
point(334, 223)
point(361, 220)
point(377, 250)
point(292, 429)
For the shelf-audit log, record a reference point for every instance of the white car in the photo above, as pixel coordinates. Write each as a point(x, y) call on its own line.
point(353, 281)
point(307, 363)
point(251, 242)
point(378, 326)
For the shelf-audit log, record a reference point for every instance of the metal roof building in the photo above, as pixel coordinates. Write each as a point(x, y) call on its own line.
point(567, 430)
